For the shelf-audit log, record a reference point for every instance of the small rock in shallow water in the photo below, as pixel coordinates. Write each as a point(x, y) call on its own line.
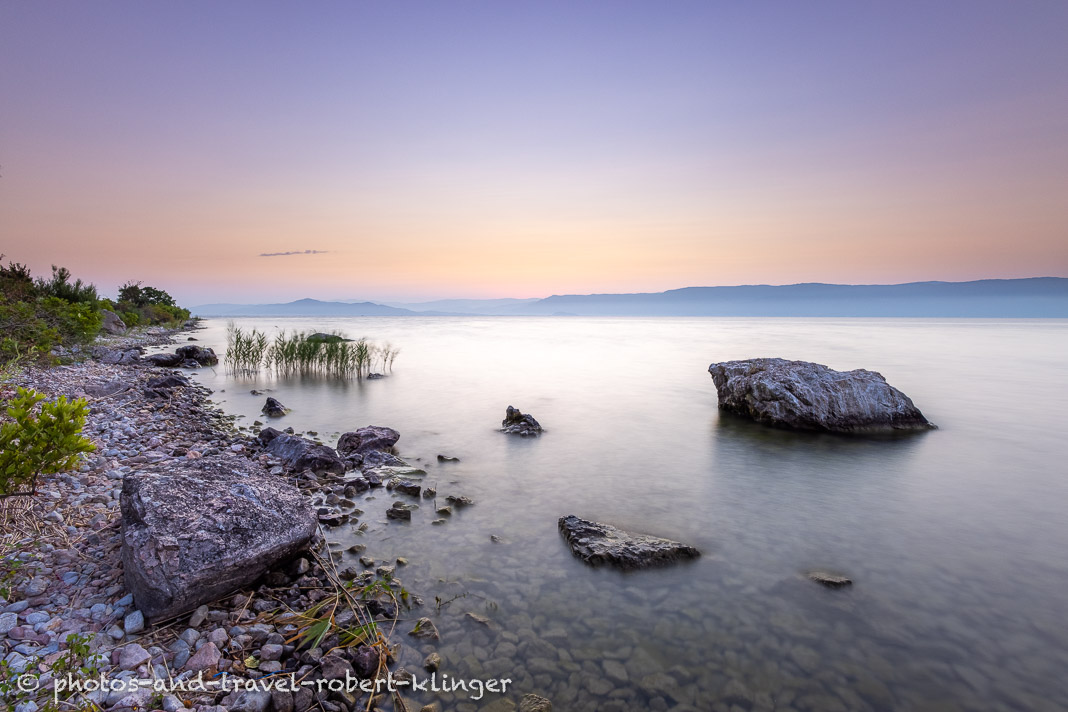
point(534, 703)
point(273, 409)
point(517, 423)
point(597, 543)
point(424, 629)
point(829, 580)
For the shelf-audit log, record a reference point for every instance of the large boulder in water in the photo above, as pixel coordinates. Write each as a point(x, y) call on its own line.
point(810, 396)
point(299, 454)
point(193, 532)
point(517, 423)
point(364, 440)
point(597, 543)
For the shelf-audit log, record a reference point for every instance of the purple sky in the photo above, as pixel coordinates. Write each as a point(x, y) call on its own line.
point(446, 149)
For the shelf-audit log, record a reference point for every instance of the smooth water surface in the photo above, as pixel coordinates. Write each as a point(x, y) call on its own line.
point(957, 539)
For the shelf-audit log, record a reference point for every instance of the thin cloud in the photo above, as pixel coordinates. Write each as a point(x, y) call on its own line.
point(299, 252)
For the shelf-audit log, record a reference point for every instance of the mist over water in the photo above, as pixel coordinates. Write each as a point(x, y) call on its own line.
point(956, 539)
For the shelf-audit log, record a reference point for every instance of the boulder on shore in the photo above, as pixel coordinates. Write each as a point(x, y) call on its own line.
point(113, 323)
point(517, 423)
point(597, 543)
point(166, 360)
point(192, 533)
point(364, 440)
point(810, 396)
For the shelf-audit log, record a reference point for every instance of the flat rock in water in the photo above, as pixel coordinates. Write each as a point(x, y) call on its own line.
point(192, 532)
point(597, 543)
point(809, 396)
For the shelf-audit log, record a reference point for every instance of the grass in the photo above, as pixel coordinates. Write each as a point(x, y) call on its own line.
point(297, 354)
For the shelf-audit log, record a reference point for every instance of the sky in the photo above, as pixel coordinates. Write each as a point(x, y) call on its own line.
point(420, 150)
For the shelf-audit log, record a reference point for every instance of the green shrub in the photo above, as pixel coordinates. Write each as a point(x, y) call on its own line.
point(40, 440)
point(61, 287)
point(130, 318)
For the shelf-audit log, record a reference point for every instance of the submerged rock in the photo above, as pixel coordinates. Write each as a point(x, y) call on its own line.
point(535, 703)
point(809, 396)
point(425, 629)
point(273, 409)
point(597, 543)
point(829, 580)
point(400, 511)
point(320, 337)
point(365, 440)
point(192, 533)
point(517, 423)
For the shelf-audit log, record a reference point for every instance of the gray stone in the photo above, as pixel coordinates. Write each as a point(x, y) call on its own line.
point(534, 703)
point(133, 656)
point(270, 651)
point(251, 701)
point(134, 622)
point(829, 580)
point(273, 409)
point(7, 622)
point(195, 530)
point(165, 360)
point(203, 356)
point(204, 659)
point(299, 454)
point(597, 543)
point(113, 323)
point(335, 667)
point(424, 629)
point(809, 396)
point(364, 440)
point(517, 423)
point(198, 617)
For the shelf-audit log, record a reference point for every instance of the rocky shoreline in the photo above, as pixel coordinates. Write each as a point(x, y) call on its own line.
point(68, 610)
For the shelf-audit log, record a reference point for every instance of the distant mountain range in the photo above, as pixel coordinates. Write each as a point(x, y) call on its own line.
point(1034, 297)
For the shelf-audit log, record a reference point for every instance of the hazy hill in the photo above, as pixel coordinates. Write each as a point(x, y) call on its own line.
point(302, 307)
point(1034, 297)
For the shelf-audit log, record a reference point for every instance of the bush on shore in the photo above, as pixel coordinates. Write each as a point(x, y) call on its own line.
point(39, 439)
point(39, 315)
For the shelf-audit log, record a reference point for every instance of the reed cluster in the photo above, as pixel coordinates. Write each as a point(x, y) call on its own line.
point(300, 354)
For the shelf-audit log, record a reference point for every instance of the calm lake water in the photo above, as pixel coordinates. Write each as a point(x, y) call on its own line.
point(957, 539)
